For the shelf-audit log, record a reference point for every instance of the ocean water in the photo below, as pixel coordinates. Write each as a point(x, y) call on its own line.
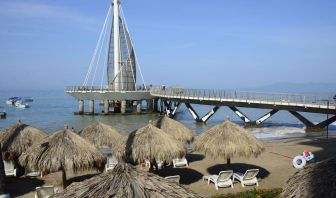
point(51, 110)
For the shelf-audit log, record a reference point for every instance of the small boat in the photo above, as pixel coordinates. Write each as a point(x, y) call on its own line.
point(19, 104)
point(12, 100)
point(2, 113)
point(27, 99)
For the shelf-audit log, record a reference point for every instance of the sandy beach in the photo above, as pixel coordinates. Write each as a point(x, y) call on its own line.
point(275, 165)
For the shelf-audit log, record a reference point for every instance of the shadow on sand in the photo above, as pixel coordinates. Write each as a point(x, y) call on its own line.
point(187, 175)
point(328, 147)
point(81, 178)
point(193, 157)
point(237, 167)
point(23, 185)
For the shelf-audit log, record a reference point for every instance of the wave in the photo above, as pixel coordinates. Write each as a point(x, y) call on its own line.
point(277, 132)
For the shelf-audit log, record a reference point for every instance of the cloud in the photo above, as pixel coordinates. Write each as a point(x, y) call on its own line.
point(24, 10)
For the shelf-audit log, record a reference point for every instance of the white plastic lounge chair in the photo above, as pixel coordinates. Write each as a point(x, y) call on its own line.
point(111, 163)
point(223, 179)
point(249, 178)
point(174, 178)
point(9, 168)
point(158, 162)
point(34, 174)
point(147, 163)
point(45, 191)
point(180, 162)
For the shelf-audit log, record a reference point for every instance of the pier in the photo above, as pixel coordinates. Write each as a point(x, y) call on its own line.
point(121, 93)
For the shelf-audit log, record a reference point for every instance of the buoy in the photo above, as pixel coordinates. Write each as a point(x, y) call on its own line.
point(299, 162)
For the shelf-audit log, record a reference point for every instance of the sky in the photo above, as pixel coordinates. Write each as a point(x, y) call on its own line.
point(48, 44)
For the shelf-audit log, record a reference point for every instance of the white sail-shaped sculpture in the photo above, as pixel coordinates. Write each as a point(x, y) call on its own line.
point(121, 69)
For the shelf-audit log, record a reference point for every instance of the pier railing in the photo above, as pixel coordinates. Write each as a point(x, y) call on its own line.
point(241, 96)
point(93, 88)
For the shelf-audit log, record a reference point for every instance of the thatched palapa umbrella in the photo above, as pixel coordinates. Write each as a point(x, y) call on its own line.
point(228, 140)
point(101, 134)
point(64, 150)
point(151, 143)
point(19, 137)
point(174, 128)
point(126, 181)
point(314, 180)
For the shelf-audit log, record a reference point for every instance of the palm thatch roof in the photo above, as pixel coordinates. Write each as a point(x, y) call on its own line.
point(126, 181)
point(19, 137)
point(174, 128)
point(314, 180)
point(63, 150)
point(101, 134)
point(150, 143)
point(228, 140)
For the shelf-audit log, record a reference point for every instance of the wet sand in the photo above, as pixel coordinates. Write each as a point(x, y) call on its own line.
point(275, 165)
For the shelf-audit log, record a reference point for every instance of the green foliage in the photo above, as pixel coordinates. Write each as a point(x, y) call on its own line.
point(260, 193)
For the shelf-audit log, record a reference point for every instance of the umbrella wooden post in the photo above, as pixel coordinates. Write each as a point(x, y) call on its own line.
point(63, 176)
point(228, 162)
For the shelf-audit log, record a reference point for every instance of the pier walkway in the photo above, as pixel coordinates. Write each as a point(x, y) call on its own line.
point(170, 100)
point(294, 103)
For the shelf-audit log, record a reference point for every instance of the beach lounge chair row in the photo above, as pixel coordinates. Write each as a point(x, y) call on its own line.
point(11, 170)
point(178, 162)
point(223, 179)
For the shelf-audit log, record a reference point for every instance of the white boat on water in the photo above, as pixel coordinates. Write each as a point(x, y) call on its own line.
point(12, 100)
point(19, 104)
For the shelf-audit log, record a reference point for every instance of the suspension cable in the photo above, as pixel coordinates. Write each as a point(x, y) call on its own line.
point(96, 49)
point(129, 53)
point(103, 68)
point(100, 50)
point(136, 58)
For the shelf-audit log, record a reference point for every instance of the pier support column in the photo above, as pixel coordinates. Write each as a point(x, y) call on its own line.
point(250, 123)
point(156, 105)
point(80, 106)
point(123, 107)
point(139, 107)
point(161, 107)
point(106, 107)
point(150, 105)
point(311, 127)
point(91, 107)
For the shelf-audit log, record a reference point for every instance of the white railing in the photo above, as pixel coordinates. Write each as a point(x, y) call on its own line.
point(94, 89)
point(241, 96)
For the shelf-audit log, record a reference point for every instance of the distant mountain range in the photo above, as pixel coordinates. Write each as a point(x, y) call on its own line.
point(304, 88)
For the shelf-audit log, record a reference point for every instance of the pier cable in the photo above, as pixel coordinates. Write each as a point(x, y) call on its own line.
point(136, 57)
point(103, 68)
point(96, 49)
point(128, 50)
point(100, 50)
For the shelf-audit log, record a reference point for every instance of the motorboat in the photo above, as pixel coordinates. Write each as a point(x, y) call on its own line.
point(12, 100)
point(27, 99)
point(20, 104)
